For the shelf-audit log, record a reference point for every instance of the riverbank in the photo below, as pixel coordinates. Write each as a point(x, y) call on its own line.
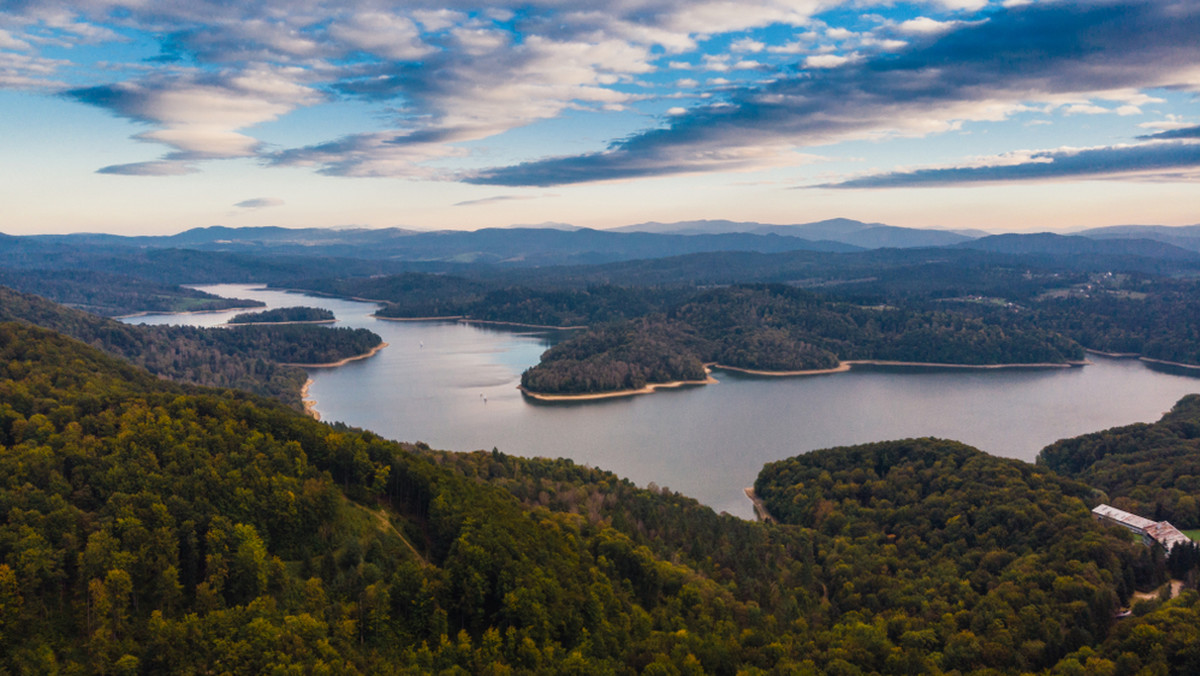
point(1164, 362)
point(463, 319)
point(760, 509)
point(306, 321)
point(840, 368)
point(921, 364)
point(370, 353)
point(310, 405)
point(1113, 355)
point(614, 394)
point(147, 313)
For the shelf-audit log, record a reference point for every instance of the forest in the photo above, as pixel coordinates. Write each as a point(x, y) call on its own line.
point(156, 527)
point(1149, 469)
point(283, 315)
point(111, 294)
point(251, 358)
point(781, 328)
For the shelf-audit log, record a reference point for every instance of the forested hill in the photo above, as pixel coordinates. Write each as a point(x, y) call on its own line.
point(983, 561)
point(1148, 469)
point(110, 294)
point(249, 358)
point(151, 527)
point(779, 328)
point(284, 315)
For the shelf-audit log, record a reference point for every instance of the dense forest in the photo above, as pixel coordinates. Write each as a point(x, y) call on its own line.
point(283, 315)
point(111, 294)
point(154, 527)
point(781, 328)
point(1148, 469)
point(251, 358)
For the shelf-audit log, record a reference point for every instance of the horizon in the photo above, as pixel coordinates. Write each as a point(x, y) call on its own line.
point(994, 115)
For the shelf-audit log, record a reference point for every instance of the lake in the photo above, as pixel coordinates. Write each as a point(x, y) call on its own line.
point(453, 386)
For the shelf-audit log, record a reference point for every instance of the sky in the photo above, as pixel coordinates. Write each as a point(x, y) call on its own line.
point(155, 116)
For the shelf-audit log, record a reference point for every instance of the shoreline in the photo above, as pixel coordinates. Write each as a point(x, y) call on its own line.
point(147, 313)
point(842, 367)
point(1164, 362)
point(453, 318)
point(760, 509)
point(615, 394)
point(463, 319)
point(307, 321)
point(310, 405)
point(1034, 365)
point(1113, 355)
point(370, 353)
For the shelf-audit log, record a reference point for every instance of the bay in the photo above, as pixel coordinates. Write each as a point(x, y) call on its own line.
point(453, 386)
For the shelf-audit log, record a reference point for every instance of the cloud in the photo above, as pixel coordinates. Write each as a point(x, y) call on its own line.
point(492, 200)
point(1180, 133)
point(154, 168)
point(200, 115)
point(1035, 54)
point(439, 67)
point(260, 203)
point(1158, 160)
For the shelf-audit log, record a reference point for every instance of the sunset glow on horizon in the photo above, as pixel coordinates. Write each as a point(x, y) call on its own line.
point(1022, 115)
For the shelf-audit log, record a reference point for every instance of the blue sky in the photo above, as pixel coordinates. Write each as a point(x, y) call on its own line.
point(1015, 115)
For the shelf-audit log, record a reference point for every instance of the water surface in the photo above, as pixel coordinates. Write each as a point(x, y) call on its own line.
point(453, 386)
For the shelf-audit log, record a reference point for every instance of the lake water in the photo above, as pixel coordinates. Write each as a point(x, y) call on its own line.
point(453, 386)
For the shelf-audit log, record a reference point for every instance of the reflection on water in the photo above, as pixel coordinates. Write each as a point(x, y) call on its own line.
point(453, 386)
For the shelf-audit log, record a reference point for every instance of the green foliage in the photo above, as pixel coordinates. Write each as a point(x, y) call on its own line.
point(151, 527)
point(779, 328)
point(250, 358)
point(112, 294)
point(1148, 469)
point(985, 561)
point(283, 315)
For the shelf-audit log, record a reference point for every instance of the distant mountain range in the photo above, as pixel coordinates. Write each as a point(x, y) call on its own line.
point(1185, 236)
point(844, 230)
point(279, 253)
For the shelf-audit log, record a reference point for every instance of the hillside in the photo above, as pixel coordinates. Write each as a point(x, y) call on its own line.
point(153, 527)
point(1149, 469)
point(250, 358)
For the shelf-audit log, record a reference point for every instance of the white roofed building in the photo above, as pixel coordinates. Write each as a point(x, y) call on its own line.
point(1151, 532)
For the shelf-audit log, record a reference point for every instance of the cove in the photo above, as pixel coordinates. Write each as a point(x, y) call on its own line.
point(454, 386)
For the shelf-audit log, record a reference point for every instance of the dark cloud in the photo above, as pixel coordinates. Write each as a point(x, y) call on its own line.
point(1157, 158)
point(155, 168)
point(1186, 133)
point(1035, 53)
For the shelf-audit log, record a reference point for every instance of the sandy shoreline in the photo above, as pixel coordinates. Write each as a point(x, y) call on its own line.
point(840, 368)
point(649, 388)
point(310, 405)
point(1035, 365)
point(453, 318)
point(308, 321)
point(463, 319)
point(1113, 355)
point(370, 353)
point(1164, 362)
point(147, 313)
point(760, 509)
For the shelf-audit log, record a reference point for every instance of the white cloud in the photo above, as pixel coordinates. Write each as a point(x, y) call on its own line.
point(392, 37)
point(923, 25)
point(825, 61)
point(747, 45)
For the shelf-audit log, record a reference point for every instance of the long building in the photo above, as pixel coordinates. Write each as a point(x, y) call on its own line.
point(1151, 532)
